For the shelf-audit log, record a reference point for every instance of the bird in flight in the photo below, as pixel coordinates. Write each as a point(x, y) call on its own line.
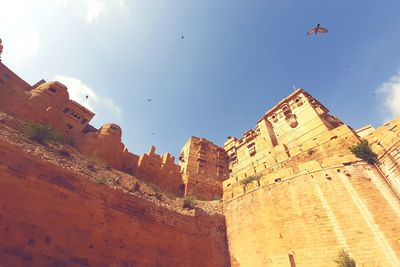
point(149, 99)
point(316, 30)
point(87, 96)
point(182, 36)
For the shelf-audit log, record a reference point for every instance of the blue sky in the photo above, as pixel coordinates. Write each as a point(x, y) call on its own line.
point(238, 59)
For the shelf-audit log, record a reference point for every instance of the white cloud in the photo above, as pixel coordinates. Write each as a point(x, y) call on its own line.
point(97, 8)
point(26, 43)
point(20, 46)
point(94, 9)
point(391, 91)
point(104, 107)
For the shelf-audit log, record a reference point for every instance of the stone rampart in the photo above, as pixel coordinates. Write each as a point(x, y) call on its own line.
point(50, 216)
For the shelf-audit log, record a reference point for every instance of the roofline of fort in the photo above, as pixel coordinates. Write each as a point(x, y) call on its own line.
point(277, 106)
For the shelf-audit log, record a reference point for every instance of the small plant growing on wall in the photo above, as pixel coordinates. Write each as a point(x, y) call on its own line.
point(250, 179)
point(189, 203)
point(343, 259)
point(103, 180)
point(42, 133)
point(364, 152)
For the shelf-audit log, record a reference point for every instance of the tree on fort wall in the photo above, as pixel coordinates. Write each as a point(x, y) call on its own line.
point(364, 152)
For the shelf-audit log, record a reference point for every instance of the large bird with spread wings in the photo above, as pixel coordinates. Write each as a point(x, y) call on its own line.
point(316, 30)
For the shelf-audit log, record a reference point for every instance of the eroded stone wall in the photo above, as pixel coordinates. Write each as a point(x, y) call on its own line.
point(312, 216)
point(385, 141)
point(50, 216)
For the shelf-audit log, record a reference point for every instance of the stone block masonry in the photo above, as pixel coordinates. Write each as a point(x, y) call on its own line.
point(312, 217)
point(50, 216)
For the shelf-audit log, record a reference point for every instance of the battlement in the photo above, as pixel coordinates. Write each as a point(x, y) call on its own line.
point(160, 171)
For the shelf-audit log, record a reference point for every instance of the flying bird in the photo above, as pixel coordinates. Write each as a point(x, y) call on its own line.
point(316, 30)
point(87, 96)
point(182, 36)
point(149, 99)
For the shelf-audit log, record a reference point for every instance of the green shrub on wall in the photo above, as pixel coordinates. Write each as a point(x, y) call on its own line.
point(42, 133)
point(343, 259)
point(364, 152)
point(250, 179)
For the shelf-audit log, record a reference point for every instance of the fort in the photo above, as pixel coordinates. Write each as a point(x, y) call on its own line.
point(287, 193)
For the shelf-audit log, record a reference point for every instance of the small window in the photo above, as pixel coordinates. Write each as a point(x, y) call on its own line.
point(69, 126)
point(53, 90)
point(298, 102)
point(278, 180)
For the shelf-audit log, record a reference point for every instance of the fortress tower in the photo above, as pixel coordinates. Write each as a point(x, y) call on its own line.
point(285, 128)
point(204, 167)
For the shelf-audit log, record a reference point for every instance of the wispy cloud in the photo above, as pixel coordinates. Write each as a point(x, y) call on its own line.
point(103, 106)
point(21, 46)
point(96, 8)
point(391, 91)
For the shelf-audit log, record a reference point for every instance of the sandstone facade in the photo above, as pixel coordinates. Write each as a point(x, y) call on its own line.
point(204, 167)
point(293, 193)
point(50, 216)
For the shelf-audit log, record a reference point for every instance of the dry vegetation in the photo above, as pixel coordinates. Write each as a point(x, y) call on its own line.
point(13, 131)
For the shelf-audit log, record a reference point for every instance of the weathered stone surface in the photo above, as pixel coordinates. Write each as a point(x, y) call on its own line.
point(292, 191)
point(204, 167)
point(54, 216)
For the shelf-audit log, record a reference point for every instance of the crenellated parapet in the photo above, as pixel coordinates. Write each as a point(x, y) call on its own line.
point(160, 171)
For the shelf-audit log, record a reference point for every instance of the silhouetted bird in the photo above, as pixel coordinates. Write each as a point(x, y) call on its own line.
point(149, 99)
point(87, 96)
point(316, 30)
point(152, 133)
point(182, 36)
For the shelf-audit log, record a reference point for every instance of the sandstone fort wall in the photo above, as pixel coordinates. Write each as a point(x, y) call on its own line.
point(50, 216)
